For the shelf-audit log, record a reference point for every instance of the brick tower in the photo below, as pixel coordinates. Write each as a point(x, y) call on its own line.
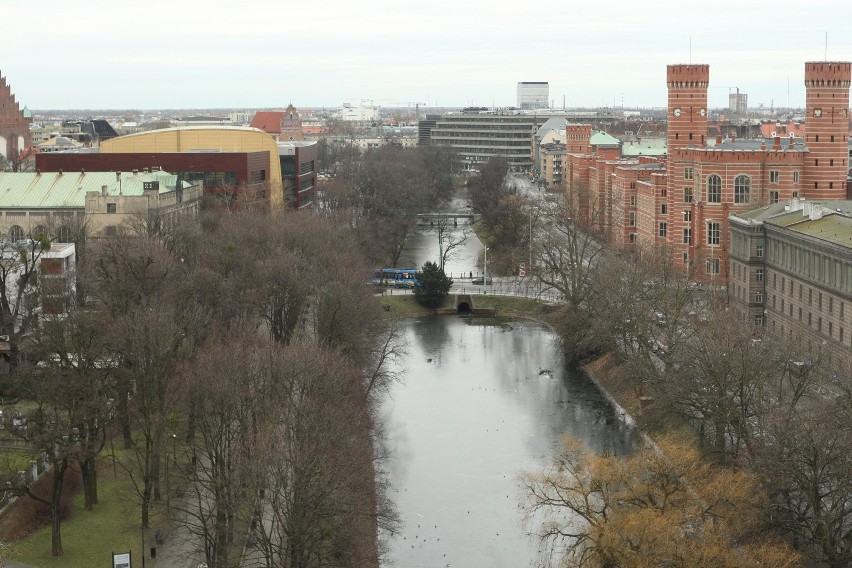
point(687, 115)
point(578, 138)
point(827, 129)
point(687, 126)
point(291, 125)
point(14, 125)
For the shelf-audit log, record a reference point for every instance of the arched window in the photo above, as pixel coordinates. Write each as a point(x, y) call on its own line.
point(714, 189)
point(16, 233)
point(742, 186)
point(39, 231)
point(63, 234)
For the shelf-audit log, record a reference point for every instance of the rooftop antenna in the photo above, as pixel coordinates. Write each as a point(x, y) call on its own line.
point(690, 50)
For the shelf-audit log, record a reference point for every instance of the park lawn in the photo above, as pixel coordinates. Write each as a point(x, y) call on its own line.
point(90, 537)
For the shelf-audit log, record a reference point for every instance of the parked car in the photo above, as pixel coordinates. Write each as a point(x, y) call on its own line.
point(481, 281)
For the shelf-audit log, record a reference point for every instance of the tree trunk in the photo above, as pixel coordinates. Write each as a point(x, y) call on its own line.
point(94, 482)
point(89, 472)
point(86, 468)
point(124, 418)
point(55, 533)
point(146, 504)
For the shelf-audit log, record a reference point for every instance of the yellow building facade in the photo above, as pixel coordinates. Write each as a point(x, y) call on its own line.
point(205, 140)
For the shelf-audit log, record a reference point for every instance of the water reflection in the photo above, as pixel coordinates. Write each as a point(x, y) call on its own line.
point(423, 246)
point(480, 403)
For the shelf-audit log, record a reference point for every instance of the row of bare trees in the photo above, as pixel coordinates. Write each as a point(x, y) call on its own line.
point(382, 191)
point(787, 427)
point(232, 363)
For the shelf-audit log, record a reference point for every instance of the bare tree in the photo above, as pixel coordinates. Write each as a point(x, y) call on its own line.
point(566, 253)
point(660, 506)
point(75, 349)
point(225, 474)
point(449, 241)
point(20, 263)
point(71, 388)
point(806, 467)
point(318, 506)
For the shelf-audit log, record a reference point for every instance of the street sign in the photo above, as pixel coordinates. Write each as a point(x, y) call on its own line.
point(522, 273)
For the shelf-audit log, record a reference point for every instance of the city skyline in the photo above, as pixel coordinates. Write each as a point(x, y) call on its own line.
point(266, 55)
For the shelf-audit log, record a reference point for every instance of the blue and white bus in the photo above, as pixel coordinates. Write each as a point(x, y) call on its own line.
point(397, 277)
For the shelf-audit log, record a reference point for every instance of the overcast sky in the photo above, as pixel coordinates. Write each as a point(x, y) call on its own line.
point(109, 54)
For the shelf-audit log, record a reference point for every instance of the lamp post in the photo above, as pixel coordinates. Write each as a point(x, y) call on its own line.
point(485, 268)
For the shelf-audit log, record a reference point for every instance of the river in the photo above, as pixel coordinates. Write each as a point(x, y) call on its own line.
point(481, 402)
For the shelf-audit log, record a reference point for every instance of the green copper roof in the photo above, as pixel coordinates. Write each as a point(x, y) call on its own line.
point(26, 112)
point(603, 139)
point(645, 147)
point(28, 190)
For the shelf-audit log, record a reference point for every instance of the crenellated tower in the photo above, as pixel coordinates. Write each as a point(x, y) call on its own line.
point(687, 111)
point(827, 129)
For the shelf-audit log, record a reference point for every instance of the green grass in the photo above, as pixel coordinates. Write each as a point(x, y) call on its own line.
point(90, 538)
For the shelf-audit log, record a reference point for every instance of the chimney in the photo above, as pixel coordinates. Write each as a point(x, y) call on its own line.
point(733, 136)
point(144, 170)
point(777, 143)
point(60, 171)
point(136, 172)
point(117, 176)
point(83, 171)
point(104, 190)
point(718, 140)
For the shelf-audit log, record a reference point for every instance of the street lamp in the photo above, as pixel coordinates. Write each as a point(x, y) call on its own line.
point(485, 267)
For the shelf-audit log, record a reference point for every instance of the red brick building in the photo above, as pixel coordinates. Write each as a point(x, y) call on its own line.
point(14, 125)
point(283, 125)
point(685, 200)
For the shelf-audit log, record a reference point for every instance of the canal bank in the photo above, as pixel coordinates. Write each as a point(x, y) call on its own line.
point(483, 401)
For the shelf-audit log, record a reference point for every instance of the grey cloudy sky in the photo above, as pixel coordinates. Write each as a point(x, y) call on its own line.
point(267, 53)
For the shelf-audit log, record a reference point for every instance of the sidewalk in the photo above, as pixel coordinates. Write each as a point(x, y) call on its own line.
point(178, 551)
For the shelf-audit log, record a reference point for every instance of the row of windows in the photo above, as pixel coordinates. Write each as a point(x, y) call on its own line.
point(783, 288)
point(774, 175)
point(17, 233)
point(742, 189)
point(788, 309)
point(714, 231)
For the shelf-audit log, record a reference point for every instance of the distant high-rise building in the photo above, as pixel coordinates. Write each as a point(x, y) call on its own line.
point(738, 102)
point(533, 94)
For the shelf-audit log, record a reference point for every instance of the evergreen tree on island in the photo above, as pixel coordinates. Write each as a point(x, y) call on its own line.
point(435, 286)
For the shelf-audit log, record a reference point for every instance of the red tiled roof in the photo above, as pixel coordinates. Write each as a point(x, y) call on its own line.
point(782, 130)
point(268, 121)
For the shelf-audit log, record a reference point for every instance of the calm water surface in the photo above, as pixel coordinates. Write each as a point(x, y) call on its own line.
point(480, 403)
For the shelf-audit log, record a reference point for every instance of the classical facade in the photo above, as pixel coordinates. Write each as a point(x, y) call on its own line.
point(14, 124)
point(53, 203)
point(791, 271)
